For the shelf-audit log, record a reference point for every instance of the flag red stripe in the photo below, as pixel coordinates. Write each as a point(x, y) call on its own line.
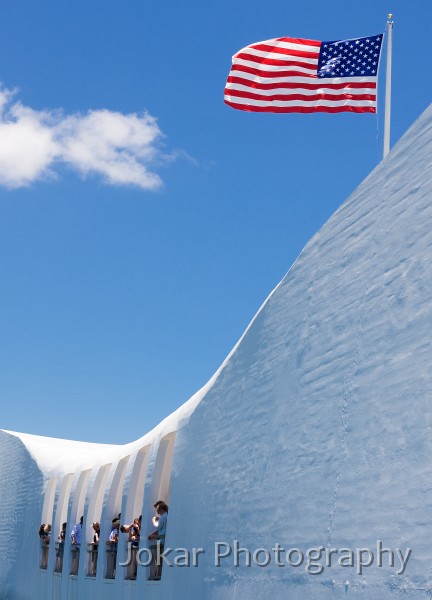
point(305, 97)
point(274, 61)
point(321, 83)
point(305, 109)
point(282, 50)
point(288, 40)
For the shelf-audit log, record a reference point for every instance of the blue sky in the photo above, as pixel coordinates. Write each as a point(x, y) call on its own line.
point(142, 221)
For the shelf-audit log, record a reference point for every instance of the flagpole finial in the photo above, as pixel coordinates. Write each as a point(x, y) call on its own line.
point(390, 17)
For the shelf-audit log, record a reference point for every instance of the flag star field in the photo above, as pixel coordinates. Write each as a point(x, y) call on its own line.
point(350, 57)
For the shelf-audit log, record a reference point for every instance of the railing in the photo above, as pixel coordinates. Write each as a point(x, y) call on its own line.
point(44, 555)
point(111, 560)
point(75, 556)
point(156, 547)
point(59, 547)
point(132, 551)
point(92, 551)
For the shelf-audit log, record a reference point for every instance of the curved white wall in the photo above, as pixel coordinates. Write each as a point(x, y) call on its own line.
point(316, 431)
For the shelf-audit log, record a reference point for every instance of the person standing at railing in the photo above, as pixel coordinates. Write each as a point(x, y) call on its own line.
point(112, 549)
point(94, 549)
point(134, 531)
point(76, 536)
point(155, 518)
point(157, 539)
point(60, 549)
point(62, 534)
point(45, 536)
point(96, 533)
point(76, 533)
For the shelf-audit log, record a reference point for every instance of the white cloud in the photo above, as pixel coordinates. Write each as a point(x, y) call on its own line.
point(121, 148)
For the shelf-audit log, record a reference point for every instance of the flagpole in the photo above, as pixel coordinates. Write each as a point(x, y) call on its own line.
point(387, 109)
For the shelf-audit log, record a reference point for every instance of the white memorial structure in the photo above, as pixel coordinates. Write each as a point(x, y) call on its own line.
point(303, 469)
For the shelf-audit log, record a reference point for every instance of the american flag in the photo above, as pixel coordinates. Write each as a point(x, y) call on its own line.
point(295, 75)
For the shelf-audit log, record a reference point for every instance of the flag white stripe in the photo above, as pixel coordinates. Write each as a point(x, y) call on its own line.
point(269, 68)
point(293, 79)
point(300, 90)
